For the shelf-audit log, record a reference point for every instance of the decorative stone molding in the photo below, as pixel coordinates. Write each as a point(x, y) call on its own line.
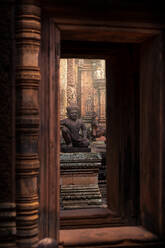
point(63, 88)
point(71, 84)
point(79, 180)
point(27, 123)
point(86, 91)
point(100, 86)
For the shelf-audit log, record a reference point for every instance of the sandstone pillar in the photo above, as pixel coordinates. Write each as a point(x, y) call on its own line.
point(71, 83)
point(63, 88)
point(102, 104)
point(100, 87)
point(27, 122)
point(87, 92)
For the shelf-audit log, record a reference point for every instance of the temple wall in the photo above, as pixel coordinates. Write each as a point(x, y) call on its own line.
point(7, 130)
point(86, 84)
point(83, 83)
point(63, 87)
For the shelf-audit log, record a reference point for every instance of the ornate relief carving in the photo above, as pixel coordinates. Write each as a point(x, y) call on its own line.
point(71, 87)
point(71, 95)
point(79, 180)
point(99, 73)
point(83, 83)
point(27, 123)
point(100, 87)
point(63, 87)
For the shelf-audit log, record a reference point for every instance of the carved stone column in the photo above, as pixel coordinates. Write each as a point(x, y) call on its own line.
point(27, 123)
point(102, 101)
point(71, 84)
point(100, 86)
point(63, 88)
point(87, 91)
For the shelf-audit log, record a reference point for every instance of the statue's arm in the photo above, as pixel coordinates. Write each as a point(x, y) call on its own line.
point(62, 122)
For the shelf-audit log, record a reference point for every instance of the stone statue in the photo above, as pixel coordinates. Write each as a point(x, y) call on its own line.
point(73, 129)
point(98, 131)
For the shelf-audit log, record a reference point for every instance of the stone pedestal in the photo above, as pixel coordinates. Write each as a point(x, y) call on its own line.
point(100, 147)
point(79, 180)
point(66, 149)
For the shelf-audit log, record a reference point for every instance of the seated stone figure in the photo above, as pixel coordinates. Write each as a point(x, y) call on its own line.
point(73, 129)
point(98, 131)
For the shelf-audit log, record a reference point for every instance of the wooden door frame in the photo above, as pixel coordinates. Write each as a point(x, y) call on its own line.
point(50, 135)
point(49, 149)
point(117, 212)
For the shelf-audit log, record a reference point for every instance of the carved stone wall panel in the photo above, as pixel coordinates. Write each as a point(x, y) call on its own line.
point(87, 91)
point(27, 123)
point(101, 93)
point(63, 87)
point(79, 180)
point(7, 139)
point(100, 87)
point(95, 102)
point(71, 82)
point(83, 83)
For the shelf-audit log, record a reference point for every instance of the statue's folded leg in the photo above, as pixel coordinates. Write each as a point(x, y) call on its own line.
point(81, 142)
point(67, 136)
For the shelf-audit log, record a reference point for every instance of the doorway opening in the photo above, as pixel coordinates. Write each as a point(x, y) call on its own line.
point(83, 139)
point(122, 132)
point(130, 99)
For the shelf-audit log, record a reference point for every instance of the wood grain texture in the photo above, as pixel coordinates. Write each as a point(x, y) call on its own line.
point(50, 134)
point(108, 13)
point(105, 34)
point(122, 134)
point(152, 134)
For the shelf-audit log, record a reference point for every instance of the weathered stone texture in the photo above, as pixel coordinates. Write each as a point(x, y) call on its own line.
point(79, 180)
point(27, 123)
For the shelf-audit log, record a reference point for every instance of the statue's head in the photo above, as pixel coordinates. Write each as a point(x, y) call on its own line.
point(72, 112)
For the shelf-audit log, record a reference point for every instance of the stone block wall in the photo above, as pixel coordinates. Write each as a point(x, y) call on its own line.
point(7, 129)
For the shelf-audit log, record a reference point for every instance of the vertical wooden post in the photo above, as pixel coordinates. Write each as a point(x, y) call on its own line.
point(50, 130)
point(27, 122)
point(152, 134)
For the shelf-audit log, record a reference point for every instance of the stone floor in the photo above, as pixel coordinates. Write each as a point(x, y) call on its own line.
point(93, 237)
